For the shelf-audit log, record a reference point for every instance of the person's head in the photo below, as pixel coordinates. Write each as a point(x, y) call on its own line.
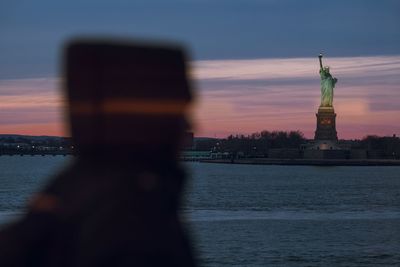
point(126, 98)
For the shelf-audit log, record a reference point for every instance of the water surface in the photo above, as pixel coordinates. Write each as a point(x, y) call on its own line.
point(248, 215)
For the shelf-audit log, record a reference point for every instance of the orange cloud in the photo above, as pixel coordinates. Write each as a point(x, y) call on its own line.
point(244, 96)
point(272, 94)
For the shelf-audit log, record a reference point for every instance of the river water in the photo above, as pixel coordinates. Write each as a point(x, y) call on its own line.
point(248, 215)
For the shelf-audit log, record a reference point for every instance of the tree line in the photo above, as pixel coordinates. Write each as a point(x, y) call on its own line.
point(253, 144)
point(260, 142)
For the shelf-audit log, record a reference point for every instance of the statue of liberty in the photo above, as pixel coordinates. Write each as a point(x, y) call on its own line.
point(327, 85)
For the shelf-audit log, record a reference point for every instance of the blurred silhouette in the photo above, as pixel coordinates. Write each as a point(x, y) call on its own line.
point(117, 203)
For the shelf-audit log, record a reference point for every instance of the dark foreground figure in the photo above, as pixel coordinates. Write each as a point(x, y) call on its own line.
point(117, 203)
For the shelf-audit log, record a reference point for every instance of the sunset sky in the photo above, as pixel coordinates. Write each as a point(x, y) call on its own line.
point(253, 64)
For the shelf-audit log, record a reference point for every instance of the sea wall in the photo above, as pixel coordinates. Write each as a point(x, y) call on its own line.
point(325, 154)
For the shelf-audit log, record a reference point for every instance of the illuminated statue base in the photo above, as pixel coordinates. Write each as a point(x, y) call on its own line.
point(326, 125)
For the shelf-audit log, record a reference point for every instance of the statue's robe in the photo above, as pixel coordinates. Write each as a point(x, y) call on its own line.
point(327, 85)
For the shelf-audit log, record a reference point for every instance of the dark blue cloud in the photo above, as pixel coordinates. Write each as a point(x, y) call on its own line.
point(33, 31)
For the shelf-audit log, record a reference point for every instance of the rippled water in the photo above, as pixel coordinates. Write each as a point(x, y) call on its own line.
point(246, 215)
point(20, 176)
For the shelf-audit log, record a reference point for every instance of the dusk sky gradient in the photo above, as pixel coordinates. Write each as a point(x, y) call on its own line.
point(254, 63)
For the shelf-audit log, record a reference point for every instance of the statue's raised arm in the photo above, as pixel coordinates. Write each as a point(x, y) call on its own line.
point(320, 61)
point(327, 84)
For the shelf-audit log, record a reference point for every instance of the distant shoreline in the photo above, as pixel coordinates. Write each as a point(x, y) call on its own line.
point(37, 153)
point(265, 161)
point(309, 162)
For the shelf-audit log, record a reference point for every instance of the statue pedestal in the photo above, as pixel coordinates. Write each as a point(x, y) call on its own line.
point(326, 124)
